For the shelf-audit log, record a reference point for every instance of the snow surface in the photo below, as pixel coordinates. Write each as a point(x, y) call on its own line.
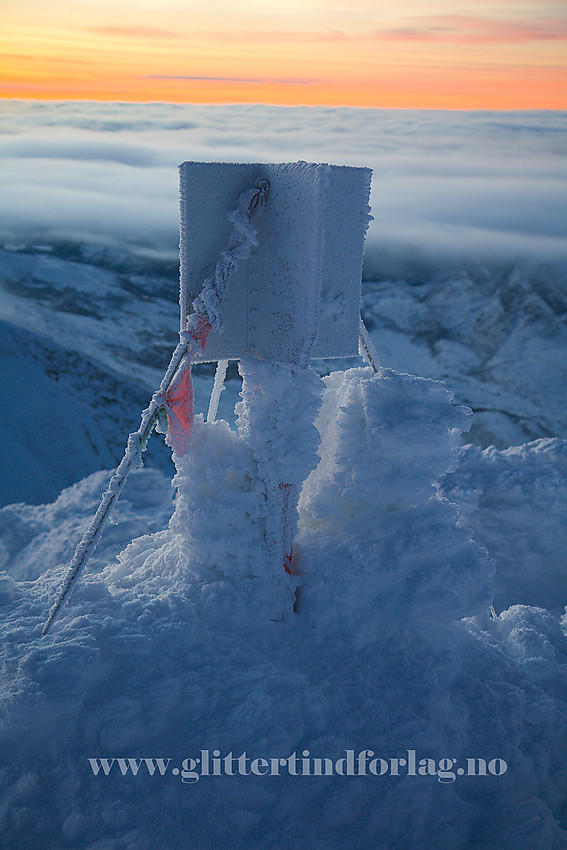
point(169, 650)
point(515, 502)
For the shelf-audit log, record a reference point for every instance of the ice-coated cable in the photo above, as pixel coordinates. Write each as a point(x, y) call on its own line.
point(206, 306)
point(218, 387)
point(366, 347)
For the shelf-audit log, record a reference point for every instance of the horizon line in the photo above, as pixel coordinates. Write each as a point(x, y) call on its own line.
point(323, 105)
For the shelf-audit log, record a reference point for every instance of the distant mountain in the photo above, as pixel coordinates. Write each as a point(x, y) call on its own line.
point(497, 335)
point(88, 331)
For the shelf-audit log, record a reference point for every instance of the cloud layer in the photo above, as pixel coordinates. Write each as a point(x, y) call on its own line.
point(486, 185)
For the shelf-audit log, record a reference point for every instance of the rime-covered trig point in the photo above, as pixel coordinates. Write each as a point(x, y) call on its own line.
point(271, 295)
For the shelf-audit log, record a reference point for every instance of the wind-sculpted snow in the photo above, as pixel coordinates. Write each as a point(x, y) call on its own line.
point(385, 444)
point(515, 503)
point(171, 650)
point(36, 538)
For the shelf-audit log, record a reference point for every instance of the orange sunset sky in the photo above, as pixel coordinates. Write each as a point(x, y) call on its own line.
point(480, 54)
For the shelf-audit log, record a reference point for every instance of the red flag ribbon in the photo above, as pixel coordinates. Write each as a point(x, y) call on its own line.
point(180, 397)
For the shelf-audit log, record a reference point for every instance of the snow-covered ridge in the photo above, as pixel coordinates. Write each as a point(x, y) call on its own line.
point(497, 334)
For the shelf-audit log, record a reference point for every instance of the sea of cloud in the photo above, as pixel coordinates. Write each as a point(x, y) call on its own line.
point(482, 185)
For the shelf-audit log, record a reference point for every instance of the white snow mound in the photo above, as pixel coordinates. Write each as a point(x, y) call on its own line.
point(175, 649)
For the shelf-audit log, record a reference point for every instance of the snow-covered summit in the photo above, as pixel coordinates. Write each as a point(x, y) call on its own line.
point(170, 651)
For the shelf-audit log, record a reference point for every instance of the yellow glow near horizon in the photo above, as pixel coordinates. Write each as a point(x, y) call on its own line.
point(507, 55)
